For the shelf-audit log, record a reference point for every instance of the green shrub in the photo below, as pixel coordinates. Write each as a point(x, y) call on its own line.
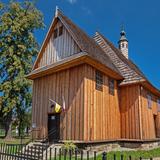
point(69, 146)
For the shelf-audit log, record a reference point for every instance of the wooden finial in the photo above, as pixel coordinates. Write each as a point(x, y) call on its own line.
point(56, 13)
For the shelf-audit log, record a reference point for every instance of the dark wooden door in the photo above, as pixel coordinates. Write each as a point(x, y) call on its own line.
point(155, 125)
point(54, 127)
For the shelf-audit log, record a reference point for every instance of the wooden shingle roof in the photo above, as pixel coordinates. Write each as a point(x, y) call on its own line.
point(126, 67)
point(86, 43)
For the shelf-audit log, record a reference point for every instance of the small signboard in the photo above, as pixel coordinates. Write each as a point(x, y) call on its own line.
point(33, 125)
point(53, 117)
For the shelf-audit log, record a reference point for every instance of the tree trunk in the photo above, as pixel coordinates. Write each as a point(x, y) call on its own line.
point(8, 130)
point(19, 130)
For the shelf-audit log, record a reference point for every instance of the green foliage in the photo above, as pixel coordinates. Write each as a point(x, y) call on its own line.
point(69, 146)
point(145, 154)
point(18, 47)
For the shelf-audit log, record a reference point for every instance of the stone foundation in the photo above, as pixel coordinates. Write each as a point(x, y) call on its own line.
point(119, 144)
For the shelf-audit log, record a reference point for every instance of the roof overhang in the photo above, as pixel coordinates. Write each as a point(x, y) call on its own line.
point(72, 61)
point(151, 88)
point(146, 84)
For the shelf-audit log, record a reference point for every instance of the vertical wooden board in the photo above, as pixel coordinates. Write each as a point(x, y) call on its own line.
point(137, 114)
point(107, 108)
point(75, 104)
point(134, 112)
point(89, 102)
point(82, 103)
point(95, 107)
point(86, 104)
point(45, 104)
point(67, 93)
point(92, 104)
point(66, 98)
point(123, 115)
point(72, 103)
point(60, 101)
point(62, 116)
point(76, 132)
point(109, 114)
point(104, 108)
point(117, 112)
point(130, 116)
point(71, 80)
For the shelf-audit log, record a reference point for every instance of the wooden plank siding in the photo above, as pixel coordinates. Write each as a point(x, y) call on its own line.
point(59, 48)
point(100, 106)
point(137, 120)
point(150, 116)
point(89, 116)
point(70, 84)
point(94, 115)
point(130, 113)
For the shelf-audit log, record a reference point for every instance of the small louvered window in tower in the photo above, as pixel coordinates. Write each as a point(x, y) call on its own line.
point(149, 101)
point(158, 104)
point(60, 30)
point(55, 33)
point(99, 81)
point(111, 86)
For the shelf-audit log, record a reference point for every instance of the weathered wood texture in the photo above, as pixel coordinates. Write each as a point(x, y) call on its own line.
point(150, 116)
point(137, 120)
point(94, 115)
point(90, 112)
point(101, 113)
point(130, 113)
point(59, 48)
point(70, 84)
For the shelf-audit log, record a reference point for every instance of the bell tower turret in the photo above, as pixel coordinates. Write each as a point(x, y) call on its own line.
point(123, 43)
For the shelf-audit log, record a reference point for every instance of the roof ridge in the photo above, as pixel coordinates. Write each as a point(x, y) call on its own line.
point(90, 46)
point(122, 57)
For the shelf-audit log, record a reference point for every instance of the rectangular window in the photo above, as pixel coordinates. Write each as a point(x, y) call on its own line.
point(149, 101)
point(55, 33)
point(158, 104)
point(99, 81)
point(111, 86)
point(60, 30)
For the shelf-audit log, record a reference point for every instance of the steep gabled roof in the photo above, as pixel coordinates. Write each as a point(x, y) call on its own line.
point(126, 67)
point(86, 44)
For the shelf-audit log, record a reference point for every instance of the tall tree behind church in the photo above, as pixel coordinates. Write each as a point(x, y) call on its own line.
point(18, 47)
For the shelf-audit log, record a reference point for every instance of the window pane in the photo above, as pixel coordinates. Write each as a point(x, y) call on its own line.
point(60, 30)
point(111, 86)
point(158, 103)
point(99, 81)
point(149, 99)
point(55, 33)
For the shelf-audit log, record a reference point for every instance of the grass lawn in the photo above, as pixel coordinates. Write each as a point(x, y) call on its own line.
point(14, 145)
point(16, 140)
point(134, 154)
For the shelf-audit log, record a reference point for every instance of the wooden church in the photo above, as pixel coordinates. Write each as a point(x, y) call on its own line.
point(87, 90)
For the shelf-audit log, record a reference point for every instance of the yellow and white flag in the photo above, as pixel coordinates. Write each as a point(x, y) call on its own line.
point(56, 106)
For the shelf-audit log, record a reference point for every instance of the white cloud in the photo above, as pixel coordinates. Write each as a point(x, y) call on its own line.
point(72, 1)
point(86, 10)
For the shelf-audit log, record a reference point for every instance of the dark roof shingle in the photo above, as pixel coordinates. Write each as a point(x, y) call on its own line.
point(126, 67)
point(86, 43)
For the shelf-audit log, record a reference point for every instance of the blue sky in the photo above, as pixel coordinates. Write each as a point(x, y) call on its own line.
point(141, 19)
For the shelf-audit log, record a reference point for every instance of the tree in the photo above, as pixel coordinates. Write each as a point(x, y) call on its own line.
point(18, 47)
